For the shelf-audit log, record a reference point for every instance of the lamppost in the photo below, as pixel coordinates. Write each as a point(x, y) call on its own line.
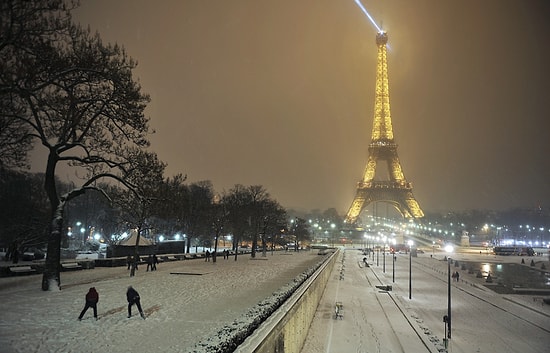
point(447, 318)
point(82, 230)
point(393, 266)
point(184, 243)
point(377, 251)
point(372, 246)
point(410, 242)
point(384, 259)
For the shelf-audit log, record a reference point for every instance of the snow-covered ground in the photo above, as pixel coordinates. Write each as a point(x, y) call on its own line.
point(185, 302)
point(379, 321)
point(190, 301)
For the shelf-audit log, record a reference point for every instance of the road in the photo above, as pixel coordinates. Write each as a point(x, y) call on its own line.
point(388, 321)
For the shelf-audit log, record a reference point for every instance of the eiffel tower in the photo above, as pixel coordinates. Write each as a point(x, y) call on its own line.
point(396, 191)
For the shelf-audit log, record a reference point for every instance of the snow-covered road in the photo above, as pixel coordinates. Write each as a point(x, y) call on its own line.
point(379, 321)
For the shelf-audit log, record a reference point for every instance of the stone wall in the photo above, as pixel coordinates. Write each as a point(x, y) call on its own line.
point(286, 330)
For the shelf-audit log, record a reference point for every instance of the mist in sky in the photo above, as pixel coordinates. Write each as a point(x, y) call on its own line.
point(281, 94)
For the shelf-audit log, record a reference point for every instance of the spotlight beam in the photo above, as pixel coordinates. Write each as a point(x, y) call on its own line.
point(358, 2)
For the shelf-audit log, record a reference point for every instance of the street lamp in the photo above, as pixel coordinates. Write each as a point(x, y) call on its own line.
point(393, 266)
point(410, 242)
point(377, 251)
point(384, 259)
point(447, 318)
point(332, 226)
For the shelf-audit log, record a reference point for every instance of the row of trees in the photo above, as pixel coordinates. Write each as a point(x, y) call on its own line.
point(164, 206)
point(65, 90)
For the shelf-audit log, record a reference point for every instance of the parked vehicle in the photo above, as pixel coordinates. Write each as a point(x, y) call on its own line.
point(514, 250)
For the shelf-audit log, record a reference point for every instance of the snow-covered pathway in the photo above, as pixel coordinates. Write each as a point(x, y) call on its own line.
point(375, 321)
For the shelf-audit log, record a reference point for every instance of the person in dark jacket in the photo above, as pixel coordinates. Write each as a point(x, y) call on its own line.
point(133, 298)
point(155, 262)
point(92, 297)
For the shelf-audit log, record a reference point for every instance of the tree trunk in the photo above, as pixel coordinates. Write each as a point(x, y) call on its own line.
point(136, 254)
point(215, 248)
point(254, 243)
point(51, 278)
point(236, 246)
point(264, 246)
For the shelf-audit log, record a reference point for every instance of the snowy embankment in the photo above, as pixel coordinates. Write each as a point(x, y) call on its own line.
point(191, 306)
point(231, 336)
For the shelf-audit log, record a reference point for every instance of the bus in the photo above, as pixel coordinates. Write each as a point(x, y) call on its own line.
point(513, 250)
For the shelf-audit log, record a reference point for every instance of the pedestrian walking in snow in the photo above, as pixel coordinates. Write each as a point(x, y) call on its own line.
point(207, 256)
point(457, 275)
point(129, 261)
point(133, 298)
point(150, 262)
point(137, 259)
point(155, 262)
point(92, 297)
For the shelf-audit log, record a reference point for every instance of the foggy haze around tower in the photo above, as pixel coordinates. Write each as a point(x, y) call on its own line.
point(281, 94)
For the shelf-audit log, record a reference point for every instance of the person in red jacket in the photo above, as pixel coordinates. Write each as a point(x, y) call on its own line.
point(92, 297)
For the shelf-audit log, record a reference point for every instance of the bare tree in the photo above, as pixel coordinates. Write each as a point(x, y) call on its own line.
point(236, 201)
point(25, 30)
point(197, 218)
point(273, 219)
point(259, 199)
point(23, 219)
point(173, 199)
point(76, 96)
point(139, 204)
point(251, 213)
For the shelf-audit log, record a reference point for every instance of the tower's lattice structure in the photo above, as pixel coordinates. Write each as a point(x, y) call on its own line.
point(395, 189)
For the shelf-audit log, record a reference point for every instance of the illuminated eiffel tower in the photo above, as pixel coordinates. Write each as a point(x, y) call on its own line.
point(396, 191)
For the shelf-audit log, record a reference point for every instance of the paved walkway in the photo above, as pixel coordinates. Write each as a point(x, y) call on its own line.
point(376, 320)
point(373, 320)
